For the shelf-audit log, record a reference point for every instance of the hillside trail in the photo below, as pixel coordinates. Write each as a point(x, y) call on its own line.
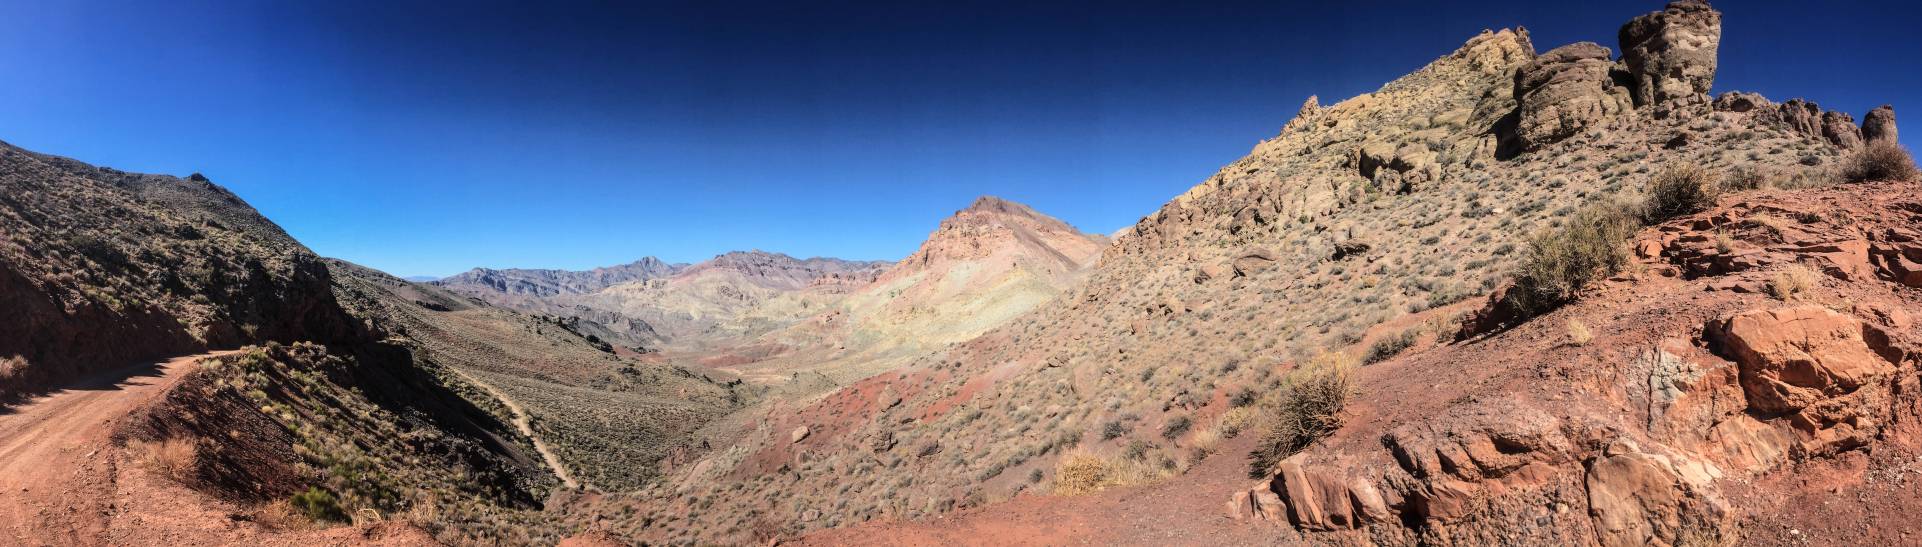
point(49, 488)
point(524, 423)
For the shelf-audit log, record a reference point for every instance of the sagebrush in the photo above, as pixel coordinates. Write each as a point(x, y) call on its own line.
point(1307, 408)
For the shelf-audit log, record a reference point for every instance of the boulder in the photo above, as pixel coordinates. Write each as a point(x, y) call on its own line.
point(1564, 91)
point(1879, 125)
point(1839, 128)
point(1670, 54)
point(1737, 101)
point(799, 434)
point(1792, 358)
point(1801, 116)
point(1495, 52)
point(1635, 498)
point(1253, 260)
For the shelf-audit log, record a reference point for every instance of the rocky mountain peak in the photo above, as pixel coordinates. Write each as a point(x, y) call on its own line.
point(993, 225)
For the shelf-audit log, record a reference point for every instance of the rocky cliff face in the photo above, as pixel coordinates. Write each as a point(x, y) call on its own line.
point(101, 268)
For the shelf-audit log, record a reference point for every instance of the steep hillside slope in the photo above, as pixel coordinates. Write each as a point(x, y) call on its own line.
point(1357, 215)
point(101, 268)
point(610, 419)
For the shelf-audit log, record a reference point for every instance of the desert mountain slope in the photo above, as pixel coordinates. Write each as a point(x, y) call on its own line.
point(102, 270)
point(733, 296)
point(986, 264)
point(1358, 216)
point(540, 282)
point(649, 306)
point(610, 416)
point(156, 265)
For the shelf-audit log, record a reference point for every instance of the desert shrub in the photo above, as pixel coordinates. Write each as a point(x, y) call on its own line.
point(1744, 178)
point(318, 505)
point(1177, 426)
point(1389, 346)
point(172, 458)
point(1234, 421)
point(1680, 190)
point(1243, 397)
point(1879, 161)
point(1079, 473)
point(1790, 282)
point(1307, 409)
point(12, 367)
point(1557, 265)
point(1113, 429)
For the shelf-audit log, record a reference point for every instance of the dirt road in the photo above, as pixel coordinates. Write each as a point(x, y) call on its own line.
point(524, 423)
point(52, 488)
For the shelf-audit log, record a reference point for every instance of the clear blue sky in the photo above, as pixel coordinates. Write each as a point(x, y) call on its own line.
point(430, 137)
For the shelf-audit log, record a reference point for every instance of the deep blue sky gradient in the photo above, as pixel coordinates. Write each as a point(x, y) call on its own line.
point(429, 137)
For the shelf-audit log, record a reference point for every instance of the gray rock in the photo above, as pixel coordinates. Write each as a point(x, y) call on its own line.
point(1563, 91)
point(1839, 128)
point(1670, 54)
point(1879, 125)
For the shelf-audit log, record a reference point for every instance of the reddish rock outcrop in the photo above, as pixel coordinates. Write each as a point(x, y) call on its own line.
point(1793, 358)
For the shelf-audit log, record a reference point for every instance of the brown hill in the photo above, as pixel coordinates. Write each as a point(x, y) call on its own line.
point(986, 264)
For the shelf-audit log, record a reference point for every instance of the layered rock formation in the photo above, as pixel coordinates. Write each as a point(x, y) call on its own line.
point(1668, 60)
point(1670, 55)
point(1563, 91)
point(1662, 444)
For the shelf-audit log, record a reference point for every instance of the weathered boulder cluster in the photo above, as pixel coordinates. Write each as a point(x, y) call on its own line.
point(1668, 62)
point(1806, 117)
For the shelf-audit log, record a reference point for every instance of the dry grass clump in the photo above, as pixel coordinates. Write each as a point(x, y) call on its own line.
point(172, 458)
point(1307, 409)
point(1791, 282)
point(1578, 333)
point(1680, 190)
point(1388, 346)
point(1880, 161)
point(1080, 472)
